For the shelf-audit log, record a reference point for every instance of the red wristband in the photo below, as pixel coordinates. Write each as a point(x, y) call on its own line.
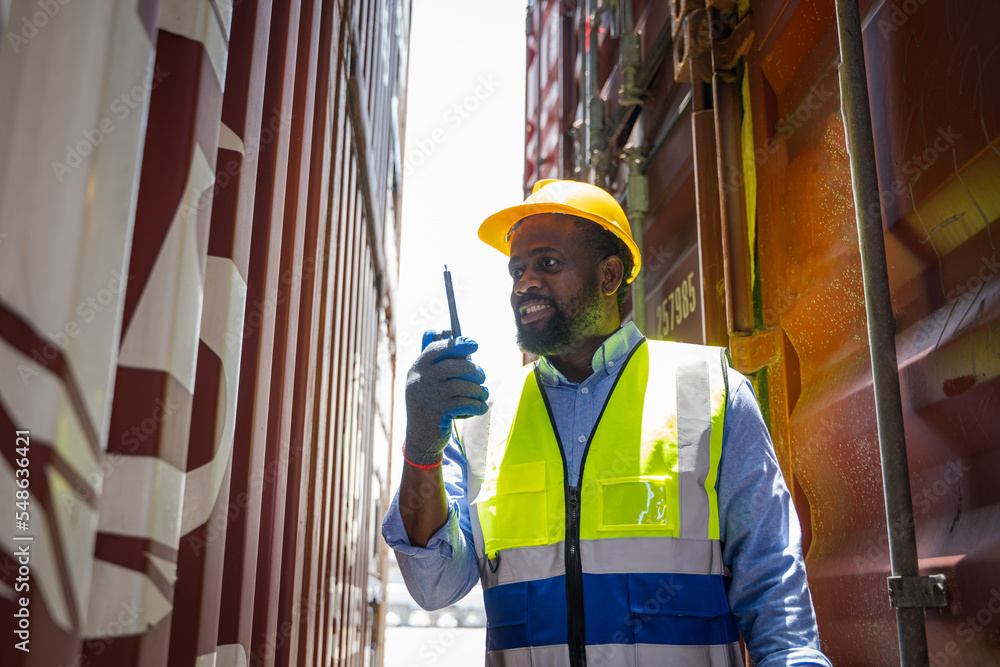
point(418, 465)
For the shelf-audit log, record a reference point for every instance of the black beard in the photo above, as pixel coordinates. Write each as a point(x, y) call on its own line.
point(565, 326)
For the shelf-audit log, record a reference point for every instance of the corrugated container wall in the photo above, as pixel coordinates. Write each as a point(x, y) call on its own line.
point(720, 130)
point(199, 232)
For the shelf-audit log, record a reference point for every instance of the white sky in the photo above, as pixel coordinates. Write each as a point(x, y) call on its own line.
point(463, 160)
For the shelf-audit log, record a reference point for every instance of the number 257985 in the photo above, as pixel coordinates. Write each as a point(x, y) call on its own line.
point(676, 307)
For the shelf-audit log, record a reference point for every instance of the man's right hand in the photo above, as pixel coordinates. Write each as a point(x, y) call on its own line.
point(443, 384)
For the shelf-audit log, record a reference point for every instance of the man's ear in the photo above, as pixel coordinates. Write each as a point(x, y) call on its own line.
point(612, 274)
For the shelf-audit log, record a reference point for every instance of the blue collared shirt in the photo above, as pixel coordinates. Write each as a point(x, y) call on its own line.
point(759, 529)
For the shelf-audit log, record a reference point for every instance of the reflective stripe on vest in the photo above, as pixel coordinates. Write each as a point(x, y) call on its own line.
point(642, 564)
point(612, 655)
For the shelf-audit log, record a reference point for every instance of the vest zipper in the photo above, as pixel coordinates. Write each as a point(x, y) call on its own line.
point(574, 580)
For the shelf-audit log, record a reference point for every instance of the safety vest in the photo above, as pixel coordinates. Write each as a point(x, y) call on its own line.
point(625, 568)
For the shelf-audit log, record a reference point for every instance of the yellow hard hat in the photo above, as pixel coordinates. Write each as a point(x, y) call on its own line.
point(572, 198)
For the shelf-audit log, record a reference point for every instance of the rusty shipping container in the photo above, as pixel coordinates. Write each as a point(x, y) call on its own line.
point(719, 127)
point(199, 232)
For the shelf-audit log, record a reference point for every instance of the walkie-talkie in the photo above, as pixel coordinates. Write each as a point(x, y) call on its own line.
point(456, 328)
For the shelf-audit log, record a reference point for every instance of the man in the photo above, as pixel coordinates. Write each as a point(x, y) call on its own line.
point(620, 501)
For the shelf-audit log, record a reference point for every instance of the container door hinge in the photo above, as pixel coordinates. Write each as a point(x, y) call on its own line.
point(920, 591)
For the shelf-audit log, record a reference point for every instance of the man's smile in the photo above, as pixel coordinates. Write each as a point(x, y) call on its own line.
point(533, 310)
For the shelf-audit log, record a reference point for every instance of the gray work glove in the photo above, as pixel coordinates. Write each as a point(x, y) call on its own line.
point(442, 385)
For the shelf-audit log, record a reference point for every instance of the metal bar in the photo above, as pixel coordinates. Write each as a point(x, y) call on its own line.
point(584, 59)
point(537, 7)
point(710, 255)
point(626, 115)
point(911, 632)
point(638, 207)
point(668, 129)
point(736, 248)
point(651, 64)
point(595, 114)
point(567, 151)
point(630, 58)
point(360, 125)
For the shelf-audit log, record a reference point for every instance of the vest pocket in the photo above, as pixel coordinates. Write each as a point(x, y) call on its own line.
point(506, 605)
point(680, 595)
point(507, 617)
point(516, 511)
point(636, 503)
point(686, 609)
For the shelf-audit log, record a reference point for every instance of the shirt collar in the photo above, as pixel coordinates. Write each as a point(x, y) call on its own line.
point(609, 357)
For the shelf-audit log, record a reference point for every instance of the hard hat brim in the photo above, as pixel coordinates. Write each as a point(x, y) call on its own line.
point(494, 229)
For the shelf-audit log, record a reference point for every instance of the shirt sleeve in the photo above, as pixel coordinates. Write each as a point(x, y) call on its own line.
point(444, 571)
point(768, 594)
